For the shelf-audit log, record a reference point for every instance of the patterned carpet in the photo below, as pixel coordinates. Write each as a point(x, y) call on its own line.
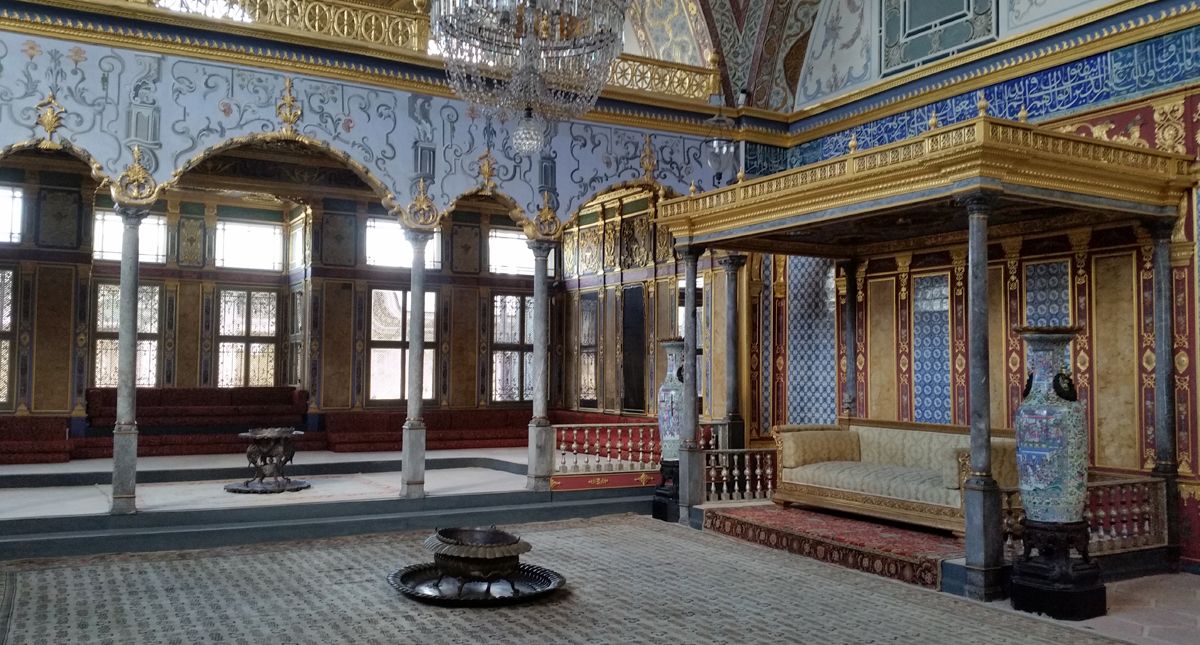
point(630, 579)
point(907, 555)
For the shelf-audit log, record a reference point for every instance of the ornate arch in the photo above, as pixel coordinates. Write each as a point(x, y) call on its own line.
point(387, 197)
point(658, 192)
point(48, 145)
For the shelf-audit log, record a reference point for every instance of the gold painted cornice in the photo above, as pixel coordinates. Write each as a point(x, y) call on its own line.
point(1009, 152)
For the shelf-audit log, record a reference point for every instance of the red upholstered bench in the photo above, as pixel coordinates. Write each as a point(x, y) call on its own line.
point(194, 421)
point(239, 408)
point(34, 440)
point(382, 430)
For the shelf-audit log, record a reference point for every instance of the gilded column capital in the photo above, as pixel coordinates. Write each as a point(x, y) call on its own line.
point(977, 203)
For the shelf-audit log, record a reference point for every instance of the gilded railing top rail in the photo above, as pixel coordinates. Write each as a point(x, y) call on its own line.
point(345, 25)
point(983, 147)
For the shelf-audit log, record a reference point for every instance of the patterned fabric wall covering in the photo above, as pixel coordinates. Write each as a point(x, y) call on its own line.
point(812, 341)
point(671, 30)
point(1118, 75)
point(765, 334)
point(931, 348)
point(1048, 294)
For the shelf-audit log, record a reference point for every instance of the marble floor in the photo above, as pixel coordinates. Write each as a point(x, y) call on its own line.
point(1155, 610)
point(630, 579)
point(196, 495)
point(238, 460)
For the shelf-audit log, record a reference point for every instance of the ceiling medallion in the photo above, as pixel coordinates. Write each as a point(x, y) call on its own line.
point(532, 61)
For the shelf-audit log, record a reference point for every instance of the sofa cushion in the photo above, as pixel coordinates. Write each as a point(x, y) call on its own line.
point(814, 446)
point(910, 448)
point(900, 482)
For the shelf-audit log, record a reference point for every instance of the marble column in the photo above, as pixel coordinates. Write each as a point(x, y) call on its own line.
point(125, 432)
point(691, 457)
point(412, 461)
point(849, 338)
point(1166, 458)
point(541, 434)
point(982, 495)
point(735, 434)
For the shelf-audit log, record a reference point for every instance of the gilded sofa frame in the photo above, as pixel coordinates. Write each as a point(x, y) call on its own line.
point(890, 508)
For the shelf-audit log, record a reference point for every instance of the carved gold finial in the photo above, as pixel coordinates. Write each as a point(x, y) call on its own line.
point(422, 214)
point(546, 225)
point(649, 160)
point(853, 142)
point(288, 109)
point(692, 190)
point(487, 172)
point(714, 70)
point(741, 176)
point(933, 120)
point(50, 119)
point(135, 186)
point(1023, 115)
point(982, 104)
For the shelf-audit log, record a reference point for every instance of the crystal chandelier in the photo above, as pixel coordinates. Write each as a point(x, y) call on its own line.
point(531, 61)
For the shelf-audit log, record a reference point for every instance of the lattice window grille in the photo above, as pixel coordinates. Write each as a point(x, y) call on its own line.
point(107, 324)
point(589, 333)
point(389, 342)
point(7, 314)
point(247, 337)
point(512, 348)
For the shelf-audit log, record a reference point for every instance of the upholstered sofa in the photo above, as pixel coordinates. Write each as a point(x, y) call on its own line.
point(908, 474)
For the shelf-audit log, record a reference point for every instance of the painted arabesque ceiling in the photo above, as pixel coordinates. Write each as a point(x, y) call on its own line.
point(789, 54)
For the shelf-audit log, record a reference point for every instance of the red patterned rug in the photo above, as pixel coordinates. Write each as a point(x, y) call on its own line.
point(904, 554)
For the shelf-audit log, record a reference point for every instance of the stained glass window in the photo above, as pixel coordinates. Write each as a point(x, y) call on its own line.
point(12, 204)
point(108, 315)
point(589, 328)
point(108, 232)
point(512, 348)
point(247, 340)
point(509, 253)
point(6, 334)
point(242, 245)
point(387, 246)
point(389, 345)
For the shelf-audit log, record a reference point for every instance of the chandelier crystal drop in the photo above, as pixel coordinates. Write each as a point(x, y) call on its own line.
point(529, 134)
point(543, 60)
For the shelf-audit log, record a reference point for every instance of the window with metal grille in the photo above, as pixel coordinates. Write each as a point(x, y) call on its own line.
point(149, 327)
point(246, 337)
point(589, 331)
point(512, 348)
point(7, 325)
point(244, 245)
point(108, 231)
point(389, 342)
point(387, 246)
point(12, 205)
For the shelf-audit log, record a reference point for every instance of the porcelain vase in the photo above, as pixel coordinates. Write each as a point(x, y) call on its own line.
point(1052, 441)
point(670, 398)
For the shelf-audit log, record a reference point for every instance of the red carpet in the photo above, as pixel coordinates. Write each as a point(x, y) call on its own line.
point(907, 555)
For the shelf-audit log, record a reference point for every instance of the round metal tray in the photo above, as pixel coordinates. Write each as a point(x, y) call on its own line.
point(420, 582)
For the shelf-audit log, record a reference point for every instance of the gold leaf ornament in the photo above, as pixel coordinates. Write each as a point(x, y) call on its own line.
point(135, 186)
point(422, 214)
point(50, 113)
point(288, 109)
point(545, 225)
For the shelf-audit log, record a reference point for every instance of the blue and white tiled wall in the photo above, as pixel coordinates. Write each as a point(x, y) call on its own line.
point(931, 348)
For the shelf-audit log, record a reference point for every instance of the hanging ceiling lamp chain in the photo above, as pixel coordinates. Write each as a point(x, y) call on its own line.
point(529, 60)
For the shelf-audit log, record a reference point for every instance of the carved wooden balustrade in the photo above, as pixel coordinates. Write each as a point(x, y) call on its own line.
point(739, 475)
point(1124, 513)
point(620, 447)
